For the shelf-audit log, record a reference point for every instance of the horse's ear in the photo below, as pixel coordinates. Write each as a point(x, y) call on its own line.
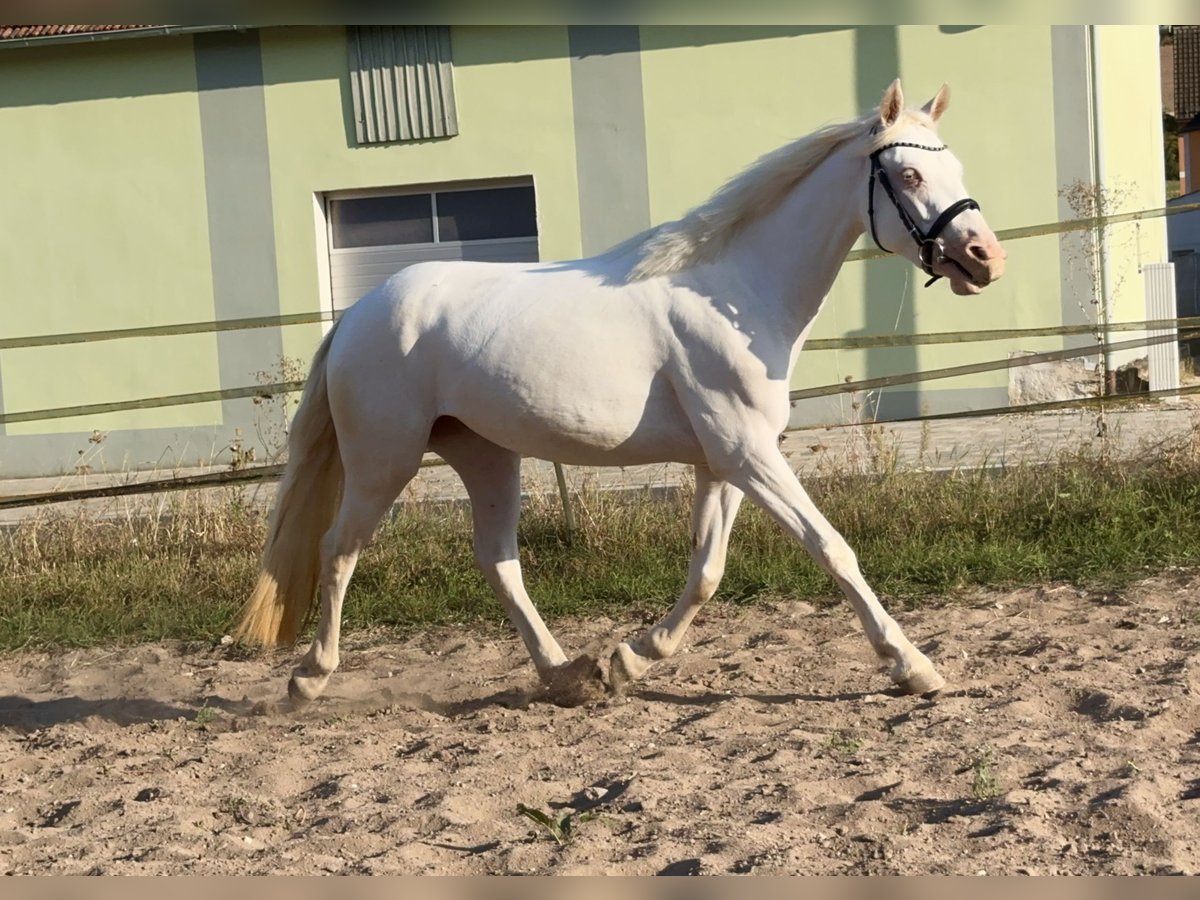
point(938, 104)
point(892, 104)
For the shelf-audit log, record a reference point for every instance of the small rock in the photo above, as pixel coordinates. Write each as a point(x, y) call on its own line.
point(147, 794)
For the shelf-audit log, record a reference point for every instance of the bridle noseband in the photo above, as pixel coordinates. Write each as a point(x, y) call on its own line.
point(928, 250)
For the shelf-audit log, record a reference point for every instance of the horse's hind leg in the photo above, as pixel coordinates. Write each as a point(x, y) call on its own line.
point(713, 513)
point(492, 477)
point(371, 486)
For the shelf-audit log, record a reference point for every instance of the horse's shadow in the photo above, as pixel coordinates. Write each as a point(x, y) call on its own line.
point(712, 698)
point(511, 698)
point(25, 714)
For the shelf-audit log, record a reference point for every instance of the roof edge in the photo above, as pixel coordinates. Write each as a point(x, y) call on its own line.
point(88, 37)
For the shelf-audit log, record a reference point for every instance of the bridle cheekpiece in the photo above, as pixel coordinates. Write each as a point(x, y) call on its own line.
point(929, 252)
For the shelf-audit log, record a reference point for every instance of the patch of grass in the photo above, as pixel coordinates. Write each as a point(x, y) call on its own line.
point(844, 743)
point(984, 783)
point(182, 573)
point(81, 579)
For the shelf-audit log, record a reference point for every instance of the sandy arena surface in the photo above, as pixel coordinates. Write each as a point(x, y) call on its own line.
point(1067, 741)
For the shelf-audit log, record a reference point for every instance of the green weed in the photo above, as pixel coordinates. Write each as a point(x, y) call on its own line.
point(561, 827)
point(984, 783)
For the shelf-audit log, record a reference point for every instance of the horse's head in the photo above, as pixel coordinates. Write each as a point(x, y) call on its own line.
point(915, 203)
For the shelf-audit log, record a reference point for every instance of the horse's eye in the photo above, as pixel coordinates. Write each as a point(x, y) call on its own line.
point(911, 177)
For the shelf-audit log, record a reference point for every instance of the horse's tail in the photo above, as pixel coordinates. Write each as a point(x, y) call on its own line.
point(308, 497)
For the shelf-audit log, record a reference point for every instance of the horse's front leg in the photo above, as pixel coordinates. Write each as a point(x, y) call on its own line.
point(760, 470)
point(713, 513)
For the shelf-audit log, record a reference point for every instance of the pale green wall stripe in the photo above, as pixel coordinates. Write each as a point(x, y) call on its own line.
point(610, 133)
point(237, 172)
point(888, 284)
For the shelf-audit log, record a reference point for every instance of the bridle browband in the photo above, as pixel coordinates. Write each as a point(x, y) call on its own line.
point(927, 242)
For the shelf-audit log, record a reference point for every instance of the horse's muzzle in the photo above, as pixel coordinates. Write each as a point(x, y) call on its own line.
point(981, 262)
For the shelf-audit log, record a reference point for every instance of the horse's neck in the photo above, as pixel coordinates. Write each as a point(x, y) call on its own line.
point(790, 257)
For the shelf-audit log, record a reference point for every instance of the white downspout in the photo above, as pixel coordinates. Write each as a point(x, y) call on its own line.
point(1099, 179)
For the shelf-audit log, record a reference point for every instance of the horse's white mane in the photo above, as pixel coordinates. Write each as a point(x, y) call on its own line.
point(704, 231)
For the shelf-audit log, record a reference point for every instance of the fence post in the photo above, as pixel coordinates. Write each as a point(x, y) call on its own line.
point(568, 512)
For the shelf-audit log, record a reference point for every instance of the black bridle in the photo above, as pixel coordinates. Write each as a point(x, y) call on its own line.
point(928, 250)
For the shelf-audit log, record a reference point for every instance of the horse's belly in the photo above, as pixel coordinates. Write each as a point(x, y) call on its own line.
point(595, 430)
point(594, 450)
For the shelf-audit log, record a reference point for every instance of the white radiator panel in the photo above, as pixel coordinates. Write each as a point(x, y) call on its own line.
point(1160, 304)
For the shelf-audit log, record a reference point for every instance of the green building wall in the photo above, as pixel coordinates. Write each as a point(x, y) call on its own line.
point(177, 179)
point(105, 226)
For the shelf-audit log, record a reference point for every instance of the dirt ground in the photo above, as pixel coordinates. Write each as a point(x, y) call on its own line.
point(1067, 741)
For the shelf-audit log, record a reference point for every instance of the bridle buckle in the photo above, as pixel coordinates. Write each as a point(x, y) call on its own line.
point(929, 253)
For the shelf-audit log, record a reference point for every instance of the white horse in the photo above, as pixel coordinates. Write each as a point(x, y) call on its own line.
point(674, 346)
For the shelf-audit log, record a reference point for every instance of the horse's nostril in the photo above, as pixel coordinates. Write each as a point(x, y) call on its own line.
point(979, 251)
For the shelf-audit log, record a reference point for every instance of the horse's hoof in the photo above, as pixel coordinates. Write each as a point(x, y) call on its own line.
point(618, 678)
point(925, 683)
point(296, 695)
point(304, 689)
point(624, 668)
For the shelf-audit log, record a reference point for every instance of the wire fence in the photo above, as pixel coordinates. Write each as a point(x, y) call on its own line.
point(1179, 329)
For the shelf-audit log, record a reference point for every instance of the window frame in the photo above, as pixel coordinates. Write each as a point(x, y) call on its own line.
point(431, 189)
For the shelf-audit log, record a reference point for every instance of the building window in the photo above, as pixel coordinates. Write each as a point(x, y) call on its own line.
point(378, 221)
point(374, 235)
point(436, 217)
point(401, 82)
